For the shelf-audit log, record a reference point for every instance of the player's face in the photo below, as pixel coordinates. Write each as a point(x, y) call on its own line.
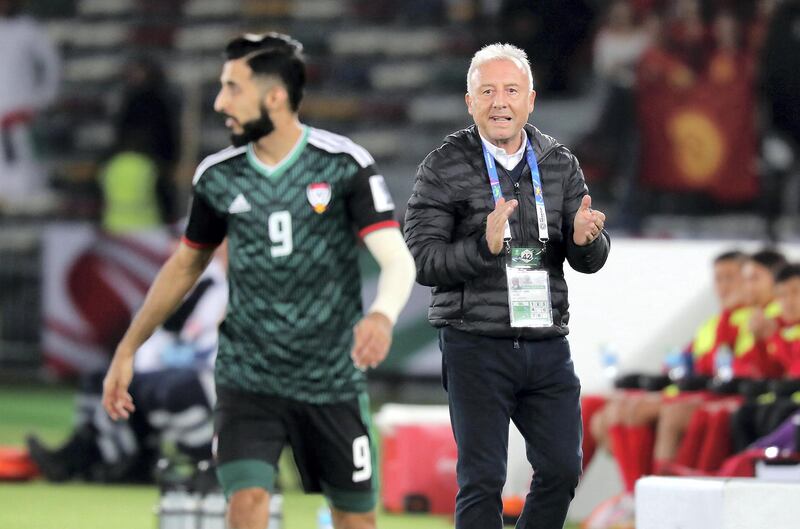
point(759, 284)
point(728, 283)
point(240, 99)
point(789, 298)
point(500, 101)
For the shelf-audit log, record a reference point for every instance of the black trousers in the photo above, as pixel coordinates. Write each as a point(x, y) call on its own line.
point(490, 382)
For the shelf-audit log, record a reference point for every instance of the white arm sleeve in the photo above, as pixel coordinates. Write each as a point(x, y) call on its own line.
point(397, 271)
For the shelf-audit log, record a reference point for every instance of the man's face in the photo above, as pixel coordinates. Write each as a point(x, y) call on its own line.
point(728, 283)
point(759, 284)
point(241, 100)
point(789, 297)
point(500, 100)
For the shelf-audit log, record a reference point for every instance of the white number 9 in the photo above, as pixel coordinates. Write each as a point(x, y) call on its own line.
point(361, 459)
point(280, 233)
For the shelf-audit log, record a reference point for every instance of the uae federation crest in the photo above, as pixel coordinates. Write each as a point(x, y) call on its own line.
point(319, 196)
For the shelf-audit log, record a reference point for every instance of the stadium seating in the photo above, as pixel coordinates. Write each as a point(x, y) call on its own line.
point(382, 74)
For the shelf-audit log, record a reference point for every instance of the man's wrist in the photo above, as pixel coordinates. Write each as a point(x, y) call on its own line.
point(382, 316)
point(587, 243)
point(483, 247)
point(125, 351)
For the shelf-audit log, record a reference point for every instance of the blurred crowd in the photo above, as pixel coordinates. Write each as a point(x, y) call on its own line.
point(697, 116)
point(134, 186)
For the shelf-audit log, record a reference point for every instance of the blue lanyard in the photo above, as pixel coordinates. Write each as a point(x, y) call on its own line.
point(497, 192)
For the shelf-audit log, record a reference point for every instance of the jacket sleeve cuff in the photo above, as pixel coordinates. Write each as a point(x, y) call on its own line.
point(483, 247)
point(590, 258)
point(477, 250)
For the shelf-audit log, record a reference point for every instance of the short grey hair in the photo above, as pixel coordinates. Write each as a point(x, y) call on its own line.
point(496, 52)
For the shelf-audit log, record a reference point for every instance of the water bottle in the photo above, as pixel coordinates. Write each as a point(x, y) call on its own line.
point(276, 511)
point(723, 363)
point(324, 519)
point(212, 511)
point(678, 364)
point(609, 360)
point(178, 509)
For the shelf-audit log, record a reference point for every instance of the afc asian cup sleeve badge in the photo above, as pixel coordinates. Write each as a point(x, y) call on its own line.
point(319, 196)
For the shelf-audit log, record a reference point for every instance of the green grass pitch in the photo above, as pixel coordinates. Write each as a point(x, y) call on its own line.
point(39, 505)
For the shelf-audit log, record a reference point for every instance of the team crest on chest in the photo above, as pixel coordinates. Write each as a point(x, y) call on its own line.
point(319, 196)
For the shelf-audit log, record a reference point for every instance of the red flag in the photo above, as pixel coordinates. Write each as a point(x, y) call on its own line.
point(698, 131)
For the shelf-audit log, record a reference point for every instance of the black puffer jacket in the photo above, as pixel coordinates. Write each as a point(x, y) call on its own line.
point(445, 230)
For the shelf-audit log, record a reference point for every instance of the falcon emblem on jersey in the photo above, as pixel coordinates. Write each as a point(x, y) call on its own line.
point(319, 196)
point(239, 205)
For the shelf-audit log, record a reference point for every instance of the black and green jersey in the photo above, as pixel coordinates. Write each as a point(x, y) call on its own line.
point(295, 290)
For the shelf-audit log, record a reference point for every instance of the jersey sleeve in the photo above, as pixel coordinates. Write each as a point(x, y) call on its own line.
point(369, 202)
point(206, 227)
point(724, 334)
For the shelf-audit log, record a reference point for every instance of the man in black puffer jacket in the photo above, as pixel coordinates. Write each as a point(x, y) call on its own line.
point(499, 295)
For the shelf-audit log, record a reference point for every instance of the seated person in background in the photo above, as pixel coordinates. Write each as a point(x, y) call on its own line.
point(783, 347)
point(625, 423)
point(763, 414)
point(737, 361)
point(174, 389)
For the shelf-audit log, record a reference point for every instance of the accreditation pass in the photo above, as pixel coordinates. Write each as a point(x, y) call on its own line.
point(529, 297)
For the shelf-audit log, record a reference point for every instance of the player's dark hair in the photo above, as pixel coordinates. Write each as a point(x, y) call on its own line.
point(770, 259)
point(731, 255)
point(273, 54)
point(790, 271)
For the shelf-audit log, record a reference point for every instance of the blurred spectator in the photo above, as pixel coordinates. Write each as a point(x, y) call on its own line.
point(760, 16)
point(696, 112)
point(618, 45)
point(784, 344)
point(29, 75)
point(781, 69)
point(137, 182)
point(147, 120)
point(686, 35)
point(762, 415)
point(609, 151)
point(174, 390)
point(729, 55)
point(780, 85)
point(129, 185)
point(552, 32)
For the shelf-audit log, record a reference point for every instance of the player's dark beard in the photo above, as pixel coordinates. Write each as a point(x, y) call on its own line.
point(253, 130)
